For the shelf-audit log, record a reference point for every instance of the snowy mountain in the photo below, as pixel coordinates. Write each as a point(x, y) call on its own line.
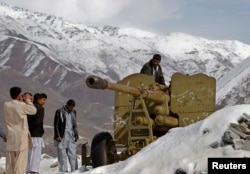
point(60, 54)
point(233, 87)
point(49, 54)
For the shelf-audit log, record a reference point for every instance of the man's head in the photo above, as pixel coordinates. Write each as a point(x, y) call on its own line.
point(70, 104)
point(156, 60)
point(40, 98)
point(25, 94)
point(43, 99)
point(16, 93)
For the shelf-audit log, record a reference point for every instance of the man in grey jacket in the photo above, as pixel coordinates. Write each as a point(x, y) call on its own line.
point(153, 68)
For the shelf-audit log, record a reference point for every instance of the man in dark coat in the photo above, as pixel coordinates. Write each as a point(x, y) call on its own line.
point(65, 129)
point(153, 68)
point(35, 123)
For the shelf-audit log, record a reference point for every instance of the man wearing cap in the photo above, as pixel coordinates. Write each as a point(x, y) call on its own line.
point(18, 136)
point(153, 68)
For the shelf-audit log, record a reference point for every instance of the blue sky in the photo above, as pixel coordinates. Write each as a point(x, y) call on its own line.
point(211, 19)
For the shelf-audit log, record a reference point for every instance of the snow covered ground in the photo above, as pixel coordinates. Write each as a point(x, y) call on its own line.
point(185, 148)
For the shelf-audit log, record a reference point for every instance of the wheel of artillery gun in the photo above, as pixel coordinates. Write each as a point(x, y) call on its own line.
point(102, 150)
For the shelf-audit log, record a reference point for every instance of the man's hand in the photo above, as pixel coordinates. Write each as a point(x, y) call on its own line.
point(59, 139)
point(76, 138)
point(27, 97)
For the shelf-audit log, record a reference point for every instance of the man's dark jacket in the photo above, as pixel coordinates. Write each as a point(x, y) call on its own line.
point(148, 69)
point(60, 123)
point(35, 122)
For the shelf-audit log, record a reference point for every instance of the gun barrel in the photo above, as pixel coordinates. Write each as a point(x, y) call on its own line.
point(96, 82)
point(99, 83)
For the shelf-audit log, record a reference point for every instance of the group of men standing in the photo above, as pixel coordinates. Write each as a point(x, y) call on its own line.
point(24, 123)
point(24, 137)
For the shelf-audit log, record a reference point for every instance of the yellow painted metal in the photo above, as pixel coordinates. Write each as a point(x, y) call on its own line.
point(145, 110)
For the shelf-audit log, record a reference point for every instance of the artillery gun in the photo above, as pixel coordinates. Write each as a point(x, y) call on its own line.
point(145, 110)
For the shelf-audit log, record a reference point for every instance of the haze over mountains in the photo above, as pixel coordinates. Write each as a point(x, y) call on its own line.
point(44, 53)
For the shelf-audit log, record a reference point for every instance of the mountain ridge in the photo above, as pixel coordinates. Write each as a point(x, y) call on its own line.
point(57, 52)
point(59, 55)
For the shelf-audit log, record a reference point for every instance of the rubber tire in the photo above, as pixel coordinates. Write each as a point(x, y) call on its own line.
point(99, 149)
